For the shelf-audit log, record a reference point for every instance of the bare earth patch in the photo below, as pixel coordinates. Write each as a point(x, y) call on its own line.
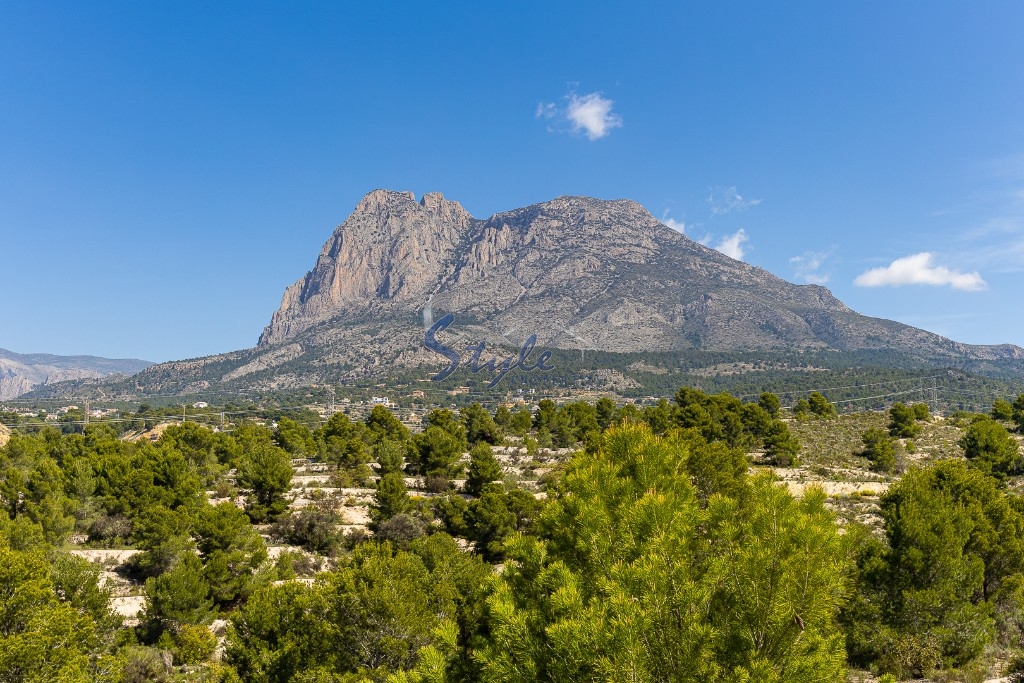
point(356, 516)
point(153, 434)
point(130, 606)
point(106, 557)
point(839, 488)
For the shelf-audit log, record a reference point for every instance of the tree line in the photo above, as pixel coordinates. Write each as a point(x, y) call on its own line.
point(654, 551)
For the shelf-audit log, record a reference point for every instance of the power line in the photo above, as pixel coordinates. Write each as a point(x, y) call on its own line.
point(851, 386)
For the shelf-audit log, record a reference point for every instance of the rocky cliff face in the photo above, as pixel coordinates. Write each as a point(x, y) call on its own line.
point(390, 255)
point(21, 373)
point(577, 272)
point(17, 378)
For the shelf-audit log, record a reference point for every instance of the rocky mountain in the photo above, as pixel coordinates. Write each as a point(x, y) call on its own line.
point(576, 272)
point(22, 373)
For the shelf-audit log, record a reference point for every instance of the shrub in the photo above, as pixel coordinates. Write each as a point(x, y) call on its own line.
point(401, 530)
point(903, 421)
point(991, 449)
point(879, 449)
point(110, 530)
point(193, 644)
point(314, 528)
point(820, 406)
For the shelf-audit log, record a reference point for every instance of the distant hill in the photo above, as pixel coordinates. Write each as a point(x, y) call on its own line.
point(604, 278)
point(20, 373)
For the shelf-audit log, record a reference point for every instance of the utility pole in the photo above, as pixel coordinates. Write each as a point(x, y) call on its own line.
point(330, 406)
point(86, 411)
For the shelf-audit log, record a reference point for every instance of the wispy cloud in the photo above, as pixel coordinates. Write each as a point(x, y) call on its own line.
point(546, 110)
point(989, 222)
point(673, 223)
point(732, 245)
point(807, 266)
point(723, 200)
point(920, 269)
point(590, 115)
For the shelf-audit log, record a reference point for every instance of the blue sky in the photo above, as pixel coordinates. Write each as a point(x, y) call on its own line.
point(167, 169)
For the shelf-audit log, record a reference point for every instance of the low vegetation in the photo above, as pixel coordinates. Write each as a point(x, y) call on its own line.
point(703, 539)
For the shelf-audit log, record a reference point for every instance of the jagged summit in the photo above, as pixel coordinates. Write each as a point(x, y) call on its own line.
point(391, 249)
point(578, 272)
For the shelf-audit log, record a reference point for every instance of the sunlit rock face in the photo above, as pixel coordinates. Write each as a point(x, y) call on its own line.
point(577, 272)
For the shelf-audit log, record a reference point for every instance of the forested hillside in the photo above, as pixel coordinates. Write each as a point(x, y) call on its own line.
point(706, 539)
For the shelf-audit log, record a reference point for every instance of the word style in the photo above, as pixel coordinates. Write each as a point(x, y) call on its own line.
point(474, 364)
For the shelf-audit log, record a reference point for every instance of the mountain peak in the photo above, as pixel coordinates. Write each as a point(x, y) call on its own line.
point(391, 251)
point(381, 199)
point(577, 272)
point(449, 210)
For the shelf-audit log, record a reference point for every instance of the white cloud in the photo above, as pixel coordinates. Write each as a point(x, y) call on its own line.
point(919, 269)
point(590, 115)
point(732, 245)
point(679, 226)
point(807, 266)
point(674, 224)
point(723, 200)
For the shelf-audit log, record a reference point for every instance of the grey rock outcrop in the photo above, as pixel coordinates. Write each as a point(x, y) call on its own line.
point(22, 373)
point(392, 250)
point(577, 272)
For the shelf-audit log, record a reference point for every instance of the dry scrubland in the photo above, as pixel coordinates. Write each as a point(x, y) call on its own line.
point(311, 484)
point(829, 458)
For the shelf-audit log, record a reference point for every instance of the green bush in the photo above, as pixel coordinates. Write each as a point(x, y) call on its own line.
point(903, 421)
point(193, 644)
point(879, 449)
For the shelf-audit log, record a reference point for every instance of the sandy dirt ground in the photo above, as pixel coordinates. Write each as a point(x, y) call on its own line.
point(838, 488)
point(356, 516)
point(153, 434)
point(130, 606)
point(106, 557)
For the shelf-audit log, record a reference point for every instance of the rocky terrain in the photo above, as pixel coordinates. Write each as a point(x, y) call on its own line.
point(21, 373)
point(576, 272)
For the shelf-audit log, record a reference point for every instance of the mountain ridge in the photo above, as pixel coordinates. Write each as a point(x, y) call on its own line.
point(21, 373)
point(575, 273)
point(574, 267)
